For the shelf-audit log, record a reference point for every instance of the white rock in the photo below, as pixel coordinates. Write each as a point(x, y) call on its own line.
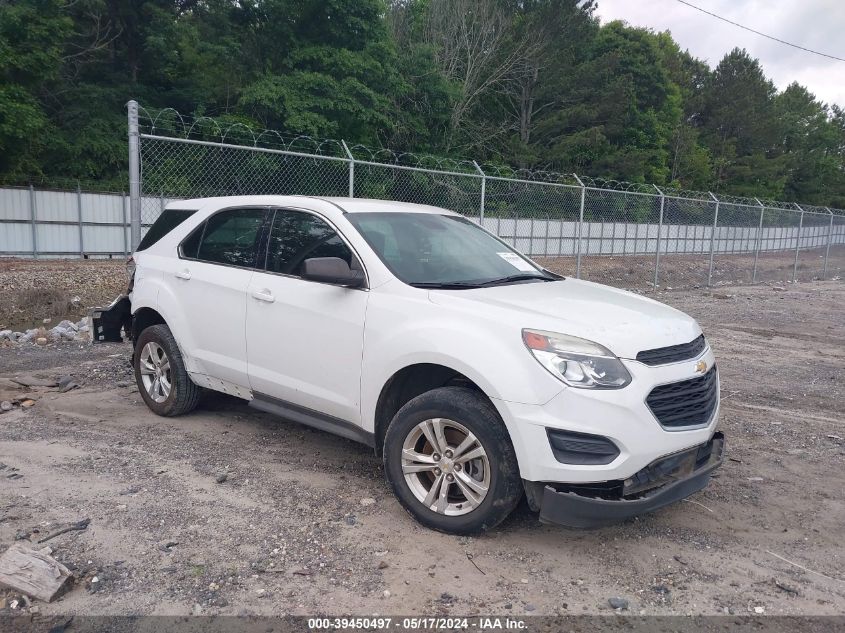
point(368, 501)
point(68, 325)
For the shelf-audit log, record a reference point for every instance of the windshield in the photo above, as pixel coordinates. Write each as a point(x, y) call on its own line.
point(428, 250)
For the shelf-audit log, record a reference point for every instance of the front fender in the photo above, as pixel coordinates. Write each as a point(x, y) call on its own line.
point(490, 354)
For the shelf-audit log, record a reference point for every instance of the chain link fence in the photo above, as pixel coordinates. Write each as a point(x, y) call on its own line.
point(625, 234)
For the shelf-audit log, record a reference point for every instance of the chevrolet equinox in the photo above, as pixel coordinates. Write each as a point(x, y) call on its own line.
point(477, 375)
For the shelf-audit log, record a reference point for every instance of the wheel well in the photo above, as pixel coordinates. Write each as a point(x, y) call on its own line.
point(142, 319)
point(407, 384)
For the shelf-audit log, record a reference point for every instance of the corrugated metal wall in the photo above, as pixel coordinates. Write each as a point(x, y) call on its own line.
point(40, 223)
point(63, 223)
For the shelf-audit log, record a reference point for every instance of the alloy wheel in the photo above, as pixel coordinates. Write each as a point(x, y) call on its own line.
point(445, 467)
point(155, 371)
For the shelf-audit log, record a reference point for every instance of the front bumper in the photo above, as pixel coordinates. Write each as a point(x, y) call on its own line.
point(665, 481)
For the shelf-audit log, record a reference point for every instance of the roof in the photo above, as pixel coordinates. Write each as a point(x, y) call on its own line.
point(347, 205)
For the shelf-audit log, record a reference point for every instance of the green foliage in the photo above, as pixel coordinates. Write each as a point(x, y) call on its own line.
point(528, 83)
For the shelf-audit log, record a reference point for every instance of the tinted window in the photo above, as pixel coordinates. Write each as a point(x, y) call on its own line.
point(230, 237)
point(167, 221)
point(296, 236)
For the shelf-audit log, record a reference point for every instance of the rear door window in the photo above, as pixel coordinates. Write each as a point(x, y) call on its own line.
point(167, 221)
point(230, 238)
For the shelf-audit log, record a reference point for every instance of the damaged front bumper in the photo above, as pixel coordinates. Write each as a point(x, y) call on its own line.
point(664, 481)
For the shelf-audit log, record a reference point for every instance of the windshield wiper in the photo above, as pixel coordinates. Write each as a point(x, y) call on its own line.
point(446, 285)
point(512, 278)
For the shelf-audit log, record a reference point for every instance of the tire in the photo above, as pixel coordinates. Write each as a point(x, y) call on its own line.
point(456, 411)
point(183, 395)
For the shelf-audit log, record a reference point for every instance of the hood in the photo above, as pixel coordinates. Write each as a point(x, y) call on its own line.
point(624, 322)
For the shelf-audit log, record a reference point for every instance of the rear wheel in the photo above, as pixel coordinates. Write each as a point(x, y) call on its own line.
point(160, 373)
point(450, 462)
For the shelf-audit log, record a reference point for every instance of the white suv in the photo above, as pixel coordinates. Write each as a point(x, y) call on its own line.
point(478, 375)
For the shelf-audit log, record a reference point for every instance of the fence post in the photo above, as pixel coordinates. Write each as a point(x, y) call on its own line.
point(759, 240)
point(32, 222)
point(580, 228)
point(134, 173)
point(123, 223)
point(829, 240)
point(79, 214)
point(713, 239)
point(351, 169)
point(483, 193)
point(659, 232)
point(797, 243)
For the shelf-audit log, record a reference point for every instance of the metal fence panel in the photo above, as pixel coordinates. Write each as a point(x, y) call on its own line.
point(451, 190)
point(185, 168)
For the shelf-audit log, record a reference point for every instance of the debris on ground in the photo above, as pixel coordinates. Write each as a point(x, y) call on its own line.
point(64, 528)
point(33, 572)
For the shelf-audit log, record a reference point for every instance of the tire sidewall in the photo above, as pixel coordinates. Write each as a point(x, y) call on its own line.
point(485, 424)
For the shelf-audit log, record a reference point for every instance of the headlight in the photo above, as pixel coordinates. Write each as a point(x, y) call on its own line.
point(577, 361)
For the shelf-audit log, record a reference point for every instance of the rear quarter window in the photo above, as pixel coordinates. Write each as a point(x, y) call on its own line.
point(167, 221)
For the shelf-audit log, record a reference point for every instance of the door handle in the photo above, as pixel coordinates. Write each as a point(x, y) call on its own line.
point(263, 295)
point(183, 274)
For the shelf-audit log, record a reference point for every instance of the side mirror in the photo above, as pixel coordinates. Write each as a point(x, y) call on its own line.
point(332, 270)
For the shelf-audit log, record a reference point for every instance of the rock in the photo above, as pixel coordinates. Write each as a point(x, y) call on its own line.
point(122, 384)
point(530, 607)
point(32, 381)
point(508, 606)
point(27, 403)
point(386, 593)
point(6, 335)
point(222, 477)
point(759, 610)
point(5, 406)
point(27, 337)
point(755, 479)
point(41, 340)
point(368, 501)
point(68, 325)
point(779, 288)
point(382, 564)
point(46, 321)
point(350, 519)
point(618, 603)
point(64, 381)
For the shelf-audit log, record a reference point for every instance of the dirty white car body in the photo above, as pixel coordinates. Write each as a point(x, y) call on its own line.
point(326, 354)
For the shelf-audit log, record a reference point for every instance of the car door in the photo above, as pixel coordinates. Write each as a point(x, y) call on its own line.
point(304, 338)
point(210, 281)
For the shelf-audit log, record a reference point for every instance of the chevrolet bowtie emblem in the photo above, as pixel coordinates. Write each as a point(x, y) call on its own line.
point(701, 367)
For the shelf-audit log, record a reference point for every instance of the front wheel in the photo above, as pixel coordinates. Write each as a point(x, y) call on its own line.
point(160, 373)
point(450, 461)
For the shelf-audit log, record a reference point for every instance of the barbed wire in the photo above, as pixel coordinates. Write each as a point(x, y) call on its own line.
point(228, 129)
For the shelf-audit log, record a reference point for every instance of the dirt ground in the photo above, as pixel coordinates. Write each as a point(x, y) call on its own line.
point(304, 522)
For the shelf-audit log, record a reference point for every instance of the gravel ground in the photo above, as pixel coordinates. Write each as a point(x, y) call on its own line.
point(230, 511)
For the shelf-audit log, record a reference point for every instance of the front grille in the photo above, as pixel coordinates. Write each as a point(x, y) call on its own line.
point(686, 403)
point(673, 353)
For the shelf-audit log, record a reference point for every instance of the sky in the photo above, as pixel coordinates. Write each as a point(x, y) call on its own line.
point(815, 24)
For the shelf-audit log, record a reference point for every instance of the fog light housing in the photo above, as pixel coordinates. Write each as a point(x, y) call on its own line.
point(581, 449)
